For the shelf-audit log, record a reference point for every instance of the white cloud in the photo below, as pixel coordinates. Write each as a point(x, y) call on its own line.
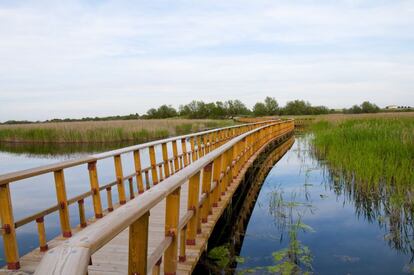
point(116, 58)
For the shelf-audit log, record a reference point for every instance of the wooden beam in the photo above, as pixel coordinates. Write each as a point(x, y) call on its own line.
point(137, 165)
point(193, 197)
point(63, 204)
point(172, 214)
point(96, 195)
point(120, 179)
point(11, 251)
point(153, 165)
point(138, 246)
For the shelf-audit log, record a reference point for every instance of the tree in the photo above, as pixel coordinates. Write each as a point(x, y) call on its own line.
point(235, 108)
point(164, 111)
point(297, 107)
point(368, 107)
point(259, 109)
point(272, 108)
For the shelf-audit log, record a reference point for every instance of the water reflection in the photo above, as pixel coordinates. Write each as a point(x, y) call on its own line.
point(310, 219)
point(390, 206)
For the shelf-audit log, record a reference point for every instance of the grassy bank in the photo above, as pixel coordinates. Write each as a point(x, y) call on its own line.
point(105, 131)
point(372, 150)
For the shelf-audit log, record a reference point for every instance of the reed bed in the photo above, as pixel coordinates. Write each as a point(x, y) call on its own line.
point(372, 151)
point(105, 131)
point(341, 117)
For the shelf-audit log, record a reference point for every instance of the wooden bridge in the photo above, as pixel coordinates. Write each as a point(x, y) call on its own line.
point(165, 223)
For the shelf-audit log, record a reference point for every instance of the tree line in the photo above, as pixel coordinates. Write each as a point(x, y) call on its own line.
point(233, 108)
point(228, 109)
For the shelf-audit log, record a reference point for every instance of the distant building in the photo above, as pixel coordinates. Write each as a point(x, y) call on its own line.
point(396, 107)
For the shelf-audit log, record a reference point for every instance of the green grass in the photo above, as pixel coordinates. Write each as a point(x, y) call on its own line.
point(371, 151)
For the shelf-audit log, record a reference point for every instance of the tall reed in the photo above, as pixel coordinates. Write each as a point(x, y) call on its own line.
point(373, 150)
point(105, 131)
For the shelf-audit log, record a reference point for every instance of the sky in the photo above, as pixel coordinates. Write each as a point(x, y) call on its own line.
point(97, 58)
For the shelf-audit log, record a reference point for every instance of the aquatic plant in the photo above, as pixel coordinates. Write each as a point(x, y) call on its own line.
point(371, 150)
point(371, 162)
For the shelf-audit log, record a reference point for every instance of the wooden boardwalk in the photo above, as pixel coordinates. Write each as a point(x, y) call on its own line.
point(110, 242)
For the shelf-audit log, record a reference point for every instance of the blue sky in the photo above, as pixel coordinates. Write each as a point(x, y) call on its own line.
point(95, 58)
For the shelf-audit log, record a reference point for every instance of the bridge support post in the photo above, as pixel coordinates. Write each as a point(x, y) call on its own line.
point(172, 214)
point(138, 246)
point(165, 159)
point(206, 188)
point(96, 197)
point(153, 165)
point(200, 146)
point(9, 232)
point(184, 151)
point(175, 154)
point(193, 200)
point(137, 164)
point(63, 203)
point(216, 178)
point(193, 151)
point(42, 234)
point(120, 179)
point(223, 183)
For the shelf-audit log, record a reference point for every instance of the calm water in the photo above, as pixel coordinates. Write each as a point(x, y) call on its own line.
point(301, 215)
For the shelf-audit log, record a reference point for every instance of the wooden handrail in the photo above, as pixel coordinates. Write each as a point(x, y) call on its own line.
point(61, 259)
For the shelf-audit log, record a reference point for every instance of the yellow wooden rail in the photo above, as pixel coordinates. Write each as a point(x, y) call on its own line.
point(213, 173)
point(201, 143)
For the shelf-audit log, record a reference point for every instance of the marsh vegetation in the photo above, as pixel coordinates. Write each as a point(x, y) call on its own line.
point(105, 131)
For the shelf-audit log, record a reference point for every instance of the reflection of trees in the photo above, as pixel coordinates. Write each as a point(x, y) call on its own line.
point(389, 204)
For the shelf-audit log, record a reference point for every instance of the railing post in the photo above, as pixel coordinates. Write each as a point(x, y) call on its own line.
point(184, 149)
point(183, 237)
point(172, 214)
point(96, 197)
point(131, 188)
point(205, 141)
point(216, 179)
point(120, 179)
point(137, 164)
point(153, 165)
point(222, 182)
point(206, 188)
point(165, 159)
point(42, 234)
point(11, 251)
point(236, 156)
point(200, 147)
point(193, 152)
point(109, 198)
point(193, 201)
point(175, 155)
point(138, 246)
point(230, 166)
point(82, 217)
point(63, 204)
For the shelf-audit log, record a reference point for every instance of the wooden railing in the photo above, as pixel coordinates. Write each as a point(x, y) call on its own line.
point(213, 173)
point(172, 161)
